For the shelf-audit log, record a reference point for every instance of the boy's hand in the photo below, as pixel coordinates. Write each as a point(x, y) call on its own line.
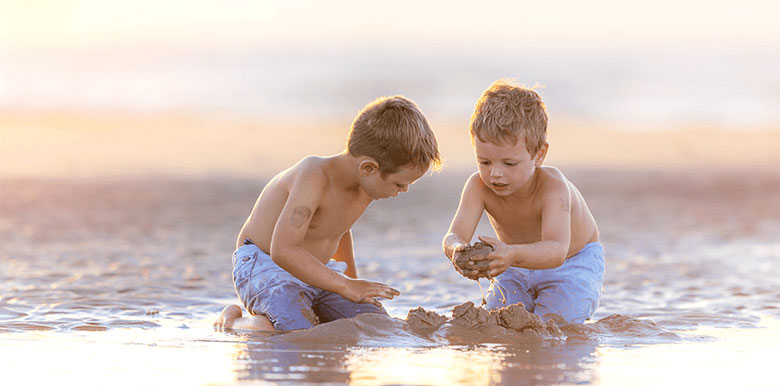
point(364, 291)
point(501, 258)
point(457, 249)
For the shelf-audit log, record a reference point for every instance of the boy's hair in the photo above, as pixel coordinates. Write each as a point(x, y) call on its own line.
point(394, 132)
point(505, 111)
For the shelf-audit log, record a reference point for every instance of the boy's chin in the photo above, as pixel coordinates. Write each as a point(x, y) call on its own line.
point(382, 196)
point(505, 191)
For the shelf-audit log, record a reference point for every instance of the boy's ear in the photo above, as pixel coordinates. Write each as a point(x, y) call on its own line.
point(368, 166)
point(541, 154)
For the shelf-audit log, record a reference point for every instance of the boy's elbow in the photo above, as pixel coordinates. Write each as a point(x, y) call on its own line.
point(444, 241)
point(563, 250)
point(558, 256)
point(279, 253)
point(277, 259)
point(557, 262)
point(447, 241)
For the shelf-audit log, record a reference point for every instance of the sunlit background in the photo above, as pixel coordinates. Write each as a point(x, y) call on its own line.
point(102, 87)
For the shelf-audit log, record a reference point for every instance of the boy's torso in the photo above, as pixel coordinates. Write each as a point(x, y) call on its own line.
point(335, 214)
point(519, 221)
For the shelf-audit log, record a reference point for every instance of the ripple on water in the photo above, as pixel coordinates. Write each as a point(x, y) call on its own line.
point(26, 327)
point(89, 327)
point(10, 314)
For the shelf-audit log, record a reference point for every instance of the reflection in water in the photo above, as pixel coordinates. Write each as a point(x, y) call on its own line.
point(539, 362)
point(482, 364)
point(279, 362)
point(115, 357)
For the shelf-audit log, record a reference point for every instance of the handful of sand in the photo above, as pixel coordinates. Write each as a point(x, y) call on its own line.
point(462, 258)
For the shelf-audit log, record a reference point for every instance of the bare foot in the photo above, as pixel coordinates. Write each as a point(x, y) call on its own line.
point(231, 319)
point(228, 316)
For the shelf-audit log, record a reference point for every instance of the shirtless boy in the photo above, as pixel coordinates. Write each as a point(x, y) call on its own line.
point(547, 255)
point(294, 265)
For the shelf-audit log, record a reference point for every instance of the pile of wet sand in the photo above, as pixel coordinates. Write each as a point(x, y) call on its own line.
point(513, 317)
point(462, 259)
point(468, 324)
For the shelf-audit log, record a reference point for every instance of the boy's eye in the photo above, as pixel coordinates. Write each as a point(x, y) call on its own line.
point(399, 186)
point(484, 162)
point(510, 163)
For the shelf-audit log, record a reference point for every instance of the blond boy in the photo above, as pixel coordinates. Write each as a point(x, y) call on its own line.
point(294, 264)
point(547, 255)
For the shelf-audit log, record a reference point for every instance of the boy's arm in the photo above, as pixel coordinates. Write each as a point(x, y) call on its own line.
point(466, 218)
point(551, 251)
point(346, 253)
point(289, 233)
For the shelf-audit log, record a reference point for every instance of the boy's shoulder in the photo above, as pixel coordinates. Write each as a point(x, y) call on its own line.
point(551, 174)
point(552, 182)
point(310, 170)
point(474, 182)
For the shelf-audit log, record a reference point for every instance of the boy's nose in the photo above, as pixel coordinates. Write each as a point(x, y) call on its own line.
point(496, 172)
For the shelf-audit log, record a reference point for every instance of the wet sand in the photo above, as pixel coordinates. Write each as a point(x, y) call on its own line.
point(140, 267)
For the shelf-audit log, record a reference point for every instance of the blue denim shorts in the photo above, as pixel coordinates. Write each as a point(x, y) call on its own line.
point(571, 291)
point(264, 288)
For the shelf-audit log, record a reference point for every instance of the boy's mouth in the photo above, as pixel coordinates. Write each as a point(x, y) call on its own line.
point(498, 185)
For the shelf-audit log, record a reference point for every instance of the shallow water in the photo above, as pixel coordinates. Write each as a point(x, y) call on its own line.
point(122, 278)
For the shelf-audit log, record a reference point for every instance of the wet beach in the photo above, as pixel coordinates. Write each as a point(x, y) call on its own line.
point(123, 276)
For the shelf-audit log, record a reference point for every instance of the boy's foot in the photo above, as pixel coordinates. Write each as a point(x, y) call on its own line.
point(231, 318)
point(228, 316)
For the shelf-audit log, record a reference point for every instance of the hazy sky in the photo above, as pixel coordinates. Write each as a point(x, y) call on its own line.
point(44, 24)
point(658, 61)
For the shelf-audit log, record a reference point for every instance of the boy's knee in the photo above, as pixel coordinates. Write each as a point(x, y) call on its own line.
point(500, 296)
point(288, 306)
point(568, 312)
point(294, 321)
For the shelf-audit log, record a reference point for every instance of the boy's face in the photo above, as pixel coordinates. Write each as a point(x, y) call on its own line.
point(505, 168)
point(390, 185)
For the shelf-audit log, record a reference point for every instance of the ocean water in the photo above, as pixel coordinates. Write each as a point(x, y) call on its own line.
point(121, 278)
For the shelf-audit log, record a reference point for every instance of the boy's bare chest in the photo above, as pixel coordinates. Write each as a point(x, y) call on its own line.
point(521, 223)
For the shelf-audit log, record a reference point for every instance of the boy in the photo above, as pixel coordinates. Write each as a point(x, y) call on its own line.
point(294, 264)
point(547, 254)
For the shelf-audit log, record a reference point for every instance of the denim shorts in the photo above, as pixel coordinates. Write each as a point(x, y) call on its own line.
point(571, 291)
point(264, 288)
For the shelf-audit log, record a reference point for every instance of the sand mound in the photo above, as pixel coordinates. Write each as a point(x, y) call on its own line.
point(362, 329)
point(469, 324)
point(513, 317)
point(616, 327)
point(419, 319)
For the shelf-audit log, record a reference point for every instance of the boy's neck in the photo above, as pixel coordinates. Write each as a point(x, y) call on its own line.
point(347, 170)
point(527, 191)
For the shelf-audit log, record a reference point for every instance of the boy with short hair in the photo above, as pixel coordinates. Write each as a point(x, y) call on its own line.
point(547, 255)
point(294, 263)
